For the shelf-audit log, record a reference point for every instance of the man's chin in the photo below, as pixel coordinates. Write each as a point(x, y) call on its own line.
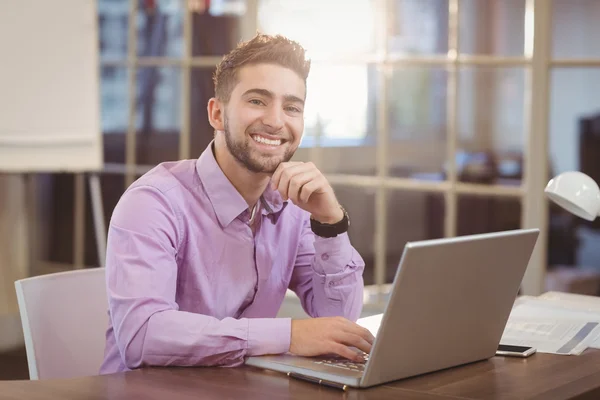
point(267, 166)
point(269, 169)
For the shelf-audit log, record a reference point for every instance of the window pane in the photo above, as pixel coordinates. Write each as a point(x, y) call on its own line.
point(492, 27)
point(420, 27)
point(340, 104)
point(483, 214)
point(201, 90)
point(113, 25)
point(491, 125)
point(575, 28)
point(574, 104)
point(216, 30)
point(411, 216)
point(574, 145)
point(158, 114)
point(160, 28)
point(360, 205)
point(324, 28)
point(340, 116)
point(114, 107)
point(417, 122)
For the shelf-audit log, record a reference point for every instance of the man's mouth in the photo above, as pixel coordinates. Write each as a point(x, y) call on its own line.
point(263, 140)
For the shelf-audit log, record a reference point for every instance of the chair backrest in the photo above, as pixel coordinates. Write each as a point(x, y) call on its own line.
point(64, 317)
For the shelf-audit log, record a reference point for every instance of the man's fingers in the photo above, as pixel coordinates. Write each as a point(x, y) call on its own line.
point(356, 329)
point(345, 352)
point(364, 333)
point(298, 182)
point(353, 340)
point(277, 174)
point(311, 187)
point(287, 174)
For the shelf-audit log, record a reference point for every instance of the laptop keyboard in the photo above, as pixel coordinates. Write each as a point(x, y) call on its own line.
point(344, 363)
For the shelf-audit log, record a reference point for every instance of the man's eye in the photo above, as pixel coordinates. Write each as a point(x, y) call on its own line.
point(256, 102)
point(293, 109)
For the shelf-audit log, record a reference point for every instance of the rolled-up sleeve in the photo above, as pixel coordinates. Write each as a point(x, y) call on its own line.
point(328, 275)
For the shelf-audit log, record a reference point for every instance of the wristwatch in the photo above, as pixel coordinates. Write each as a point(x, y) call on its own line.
point(330, 230)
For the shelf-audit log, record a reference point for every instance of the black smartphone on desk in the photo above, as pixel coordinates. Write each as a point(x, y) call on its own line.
point(514, 351)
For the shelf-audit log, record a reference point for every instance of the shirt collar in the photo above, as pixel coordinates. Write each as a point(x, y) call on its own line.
point(227, 202)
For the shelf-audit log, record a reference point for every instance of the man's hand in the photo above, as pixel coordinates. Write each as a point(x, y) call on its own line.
point(329, 335)
point(307, 188)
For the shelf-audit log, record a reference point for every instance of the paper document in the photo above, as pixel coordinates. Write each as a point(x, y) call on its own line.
point(580, 298)
point(560, 310)
point(556, 336)
point(371, 323)
point(572, 300)
point(558, 323)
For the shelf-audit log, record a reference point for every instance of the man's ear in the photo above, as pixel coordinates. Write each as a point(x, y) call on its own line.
point(216, 110)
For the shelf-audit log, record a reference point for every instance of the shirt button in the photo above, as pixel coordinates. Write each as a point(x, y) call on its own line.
point(324, 256)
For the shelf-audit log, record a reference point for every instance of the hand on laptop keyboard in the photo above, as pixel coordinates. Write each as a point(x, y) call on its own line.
point(327, 335)
point(341, 362)
point(362, 357)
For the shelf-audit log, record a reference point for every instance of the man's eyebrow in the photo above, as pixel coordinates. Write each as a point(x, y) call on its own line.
point(293, 99)
point(263, 92)
point(267, 93)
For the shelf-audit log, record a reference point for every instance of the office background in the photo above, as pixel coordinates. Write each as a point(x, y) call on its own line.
point(431, 118)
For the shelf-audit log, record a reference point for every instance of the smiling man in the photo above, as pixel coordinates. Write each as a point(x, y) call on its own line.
point(201, 252)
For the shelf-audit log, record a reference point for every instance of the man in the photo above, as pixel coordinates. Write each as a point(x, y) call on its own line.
point(200, 252)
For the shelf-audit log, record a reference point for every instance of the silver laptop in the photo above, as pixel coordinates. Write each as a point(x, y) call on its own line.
point(448, 306)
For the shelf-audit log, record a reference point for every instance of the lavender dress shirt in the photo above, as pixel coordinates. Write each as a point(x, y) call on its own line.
point(190, 284)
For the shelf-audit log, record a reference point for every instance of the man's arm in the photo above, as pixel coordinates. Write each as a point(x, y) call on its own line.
point(328, 271)
point(327, 275)
point(141, 269)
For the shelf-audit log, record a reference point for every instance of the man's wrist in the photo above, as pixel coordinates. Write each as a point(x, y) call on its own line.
point(269, 335)
point(333, 218)
point(330, 229)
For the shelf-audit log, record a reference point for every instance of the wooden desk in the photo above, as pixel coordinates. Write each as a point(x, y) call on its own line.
point(542, 376)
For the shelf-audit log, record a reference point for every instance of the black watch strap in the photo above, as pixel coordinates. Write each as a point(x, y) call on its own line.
point(330, 230)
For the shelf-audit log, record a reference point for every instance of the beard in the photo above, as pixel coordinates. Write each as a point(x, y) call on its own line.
point(251, 159)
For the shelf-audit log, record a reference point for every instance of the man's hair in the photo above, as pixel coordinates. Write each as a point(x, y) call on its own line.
point(262, 49)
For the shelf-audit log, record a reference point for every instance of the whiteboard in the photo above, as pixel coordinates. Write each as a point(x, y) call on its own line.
point(49, 86)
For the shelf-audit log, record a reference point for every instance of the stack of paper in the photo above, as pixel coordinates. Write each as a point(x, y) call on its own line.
point(371, 323)
point(555, 322)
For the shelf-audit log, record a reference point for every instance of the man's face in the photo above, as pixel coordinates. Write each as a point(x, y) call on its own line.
point(264, 118)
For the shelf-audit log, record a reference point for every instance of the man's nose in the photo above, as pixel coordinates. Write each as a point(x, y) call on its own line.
point(273, 118)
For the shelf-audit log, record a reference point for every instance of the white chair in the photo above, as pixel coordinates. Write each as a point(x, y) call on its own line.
point(64, 318)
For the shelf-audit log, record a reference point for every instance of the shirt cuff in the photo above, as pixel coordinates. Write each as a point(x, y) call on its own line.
point(269, 336)
point(332, 254)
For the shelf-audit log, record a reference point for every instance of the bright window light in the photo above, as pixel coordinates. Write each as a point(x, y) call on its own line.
point(337, 102)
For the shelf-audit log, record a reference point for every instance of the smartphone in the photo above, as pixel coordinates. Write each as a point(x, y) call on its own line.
point(515, 351)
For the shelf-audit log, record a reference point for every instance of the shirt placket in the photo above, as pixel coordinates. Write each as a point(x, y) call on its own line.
point(245, 217)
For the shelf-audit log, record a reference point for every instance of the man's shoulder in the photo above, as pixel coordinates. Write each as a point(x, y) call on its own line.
point(167, 176)
point(156, 198)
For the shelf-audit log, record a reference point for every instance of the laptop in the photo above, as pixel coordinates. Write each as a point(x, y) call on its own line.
point(448, 306)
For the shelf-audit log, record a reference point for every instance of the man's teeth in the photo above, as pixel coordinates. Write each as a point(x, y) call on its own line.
point(261, 139)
